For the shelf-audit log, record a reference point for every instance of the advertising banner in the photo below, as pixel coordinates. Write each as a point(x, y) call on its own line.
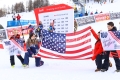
point(85, 20)
point(102, 17)
point(19, 23)
point(3, 34)
point(115, 15)
point(19, 30)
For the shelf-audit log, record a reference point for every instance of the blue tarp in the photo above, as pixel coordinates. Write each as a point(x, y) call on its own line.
point(19, 23)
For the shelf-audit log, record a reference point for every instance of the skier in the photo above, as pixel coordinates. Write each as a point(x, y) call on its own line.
point(98, 52)
point(32, 50)
point(39, 29)
point(20, 41)
point(111, 27)
point(51, 28)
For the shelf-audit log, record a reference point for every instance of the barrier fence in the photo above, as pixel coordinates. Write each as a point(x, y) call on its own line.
point(97, 18)
point(19, 23)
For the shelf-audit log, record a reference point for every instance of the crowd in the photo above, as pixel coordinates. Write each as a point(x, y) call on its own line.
point(18, 17)
point(78, 13)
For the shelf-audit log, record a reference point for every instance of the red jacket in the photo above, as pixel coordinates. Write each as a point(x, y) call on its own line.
point(18, 17)
point(98, 49)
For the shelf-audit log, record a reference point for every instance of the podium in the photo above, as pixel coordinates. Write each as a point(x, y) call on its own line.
point(20, 23)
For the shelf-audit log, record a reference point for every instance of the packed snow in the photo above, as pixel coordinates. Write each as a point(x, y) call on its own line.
point(58, 69)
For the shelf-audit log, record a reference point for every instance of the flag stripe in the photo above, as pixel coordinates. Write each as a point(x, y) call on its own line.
point(79, 50)
point(61, 56)
point(79, 44)
point(79, 38)
point(78, 32)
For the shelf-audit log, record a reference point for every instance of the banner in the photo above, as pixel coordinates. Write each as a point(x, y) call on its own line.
point(19, 30)
point(110, 40)
point(102, 17)
point(63, 16)
point(3, 34)
point(19, 23)
point(115, 15)
point(85, 20)
point(11, 48)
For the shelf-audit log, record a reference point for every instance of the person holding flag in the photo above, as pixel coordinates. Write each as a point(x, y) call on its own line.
point(21, 42)
point(39, 29)
point(111, 27)
point(51, 28)
point(32, 51)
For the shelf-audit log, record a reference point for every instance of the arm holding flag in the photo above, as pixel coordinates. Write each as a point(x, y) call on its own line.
point(94, 34)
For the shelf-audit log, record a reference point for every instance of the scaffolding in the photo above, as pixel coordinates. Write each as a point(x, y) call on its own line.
point(81, 4)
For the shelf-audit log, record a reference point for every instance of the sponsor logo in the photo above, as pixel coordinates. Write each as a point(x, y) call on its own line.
point(41, 10)
point(102, 17)
point(115, 15)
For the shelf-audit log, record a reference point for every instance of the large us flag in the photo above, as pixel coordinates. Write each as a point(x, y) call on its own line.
point(66, 46)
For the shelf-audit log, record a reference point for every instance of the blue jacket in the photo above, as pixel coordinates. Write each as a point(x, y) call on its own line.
point(40, 26)
point(81, 15)
point(31, 49)
point(96, 12)
point(51, 28)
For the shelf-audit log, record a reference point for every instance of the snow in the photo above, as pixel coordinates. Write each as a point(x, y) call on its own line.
point(56, 69)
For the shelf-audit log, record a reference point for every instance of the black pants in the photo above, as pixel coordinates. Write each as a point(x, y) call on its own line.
point(98, 61)
point(12, 60)
point(116, 58)
point(13, 19)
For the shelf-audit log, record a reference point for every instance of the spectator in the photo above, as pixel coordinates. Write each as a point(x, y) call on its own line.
point(14, 17)
point(91, 13)
point(18, 17)
point(86, 14)
point(101, 12)
point(96, 12)
point(81, 15)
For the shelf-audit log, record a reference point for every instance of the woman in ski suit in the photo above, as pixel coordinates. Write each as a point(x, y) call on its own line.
point(32, 50)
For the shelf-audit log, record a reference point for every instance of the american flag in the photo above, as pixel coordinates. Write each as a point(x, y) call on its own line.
point(115, 35)
point(73, 46)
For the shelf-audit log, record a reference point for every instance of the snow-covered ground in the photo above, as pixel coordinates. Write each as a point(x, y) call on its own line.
point(57, 69)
